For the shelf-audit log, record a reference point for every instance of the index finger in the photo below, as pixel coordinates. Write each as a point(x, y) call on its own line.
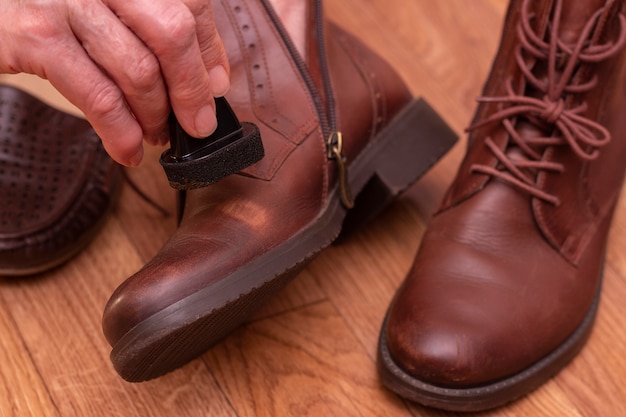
point(169, 29)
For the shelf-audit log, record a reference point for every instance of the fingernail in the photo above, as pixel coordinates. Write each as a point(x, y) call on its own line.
point(136, 159)
point(160, 137)
point(206, 122)
point(163, 137)
point(220, 82)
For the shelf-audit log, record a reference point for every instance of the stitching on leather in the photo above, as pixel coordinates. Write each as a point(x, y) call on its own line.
point(302, 130)
point(261, 91)
point(261, 81)
point(377, 93)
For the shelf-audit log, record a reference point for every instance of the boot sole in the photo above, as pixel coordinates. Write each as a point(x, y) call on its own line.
point(488, 396)
point(412, 143)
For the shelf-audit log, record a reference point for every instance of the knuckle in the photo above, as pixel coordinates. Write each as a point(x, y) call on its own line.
point(38, 29)
point(178, 25)
point(104, 102)
point(35, 37)
point(144, 72)
point(191, 95)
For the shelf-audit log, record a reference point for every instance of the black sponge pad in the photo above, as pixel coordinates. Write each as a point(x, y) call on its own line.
point(193, 163)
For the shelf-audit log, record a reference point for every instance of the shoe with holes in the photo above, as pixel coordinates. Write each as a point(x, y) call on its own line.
point(505, 285)
point(337, 124)
point(57, 184)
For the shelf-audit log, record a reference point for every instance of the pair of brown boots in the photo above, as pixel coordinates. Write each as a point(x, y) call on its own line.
point(505, 285)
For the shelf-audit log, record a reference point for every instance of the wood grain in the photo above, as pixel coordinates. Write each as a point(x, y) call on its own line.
point(311, 350)
point(23, 390)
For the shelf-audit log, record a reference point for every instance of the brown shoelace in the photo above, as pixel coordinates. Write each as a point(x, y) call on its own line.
point(554, 112)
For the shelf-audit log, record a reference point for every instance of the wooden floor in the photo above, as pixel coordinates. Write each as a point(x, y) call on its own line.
point(311, 351)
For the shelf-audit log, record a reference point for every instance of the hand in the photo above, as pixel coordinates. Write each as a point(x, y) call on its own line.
point(123, 63)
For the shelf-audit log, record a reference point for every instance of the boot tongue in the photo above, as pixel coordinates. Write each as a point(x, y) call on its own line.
point(574, 16)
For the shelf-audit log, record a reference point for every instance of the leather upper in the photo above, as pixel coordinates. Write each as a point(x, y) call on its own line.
point(504, 276)
point(585, 199)
point(56, 183)
point(296, 102)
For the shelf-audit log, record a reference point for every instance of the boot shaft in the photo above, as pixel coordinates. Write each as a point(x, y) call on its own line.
point(339, 85)
point(550, 122)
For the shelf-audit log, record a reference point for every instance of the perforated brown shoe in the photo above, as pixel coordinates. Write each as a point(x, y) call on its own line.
point(56, 184)
point(506, 283)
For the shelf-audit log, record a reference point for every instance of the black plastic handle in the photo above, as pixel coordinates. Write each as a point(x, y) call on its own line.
point(192, 163)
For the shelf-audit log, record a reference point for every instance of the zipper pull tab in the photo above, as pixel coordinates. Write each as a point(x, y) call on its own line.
point(334, 148)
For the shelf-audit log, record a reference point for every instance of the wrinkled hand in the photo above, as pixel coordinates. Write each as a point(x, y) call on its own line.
point(123, 63)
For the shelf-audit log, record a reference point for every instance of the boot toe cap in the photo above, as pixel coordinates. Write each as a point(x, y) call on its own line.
point(440, 353)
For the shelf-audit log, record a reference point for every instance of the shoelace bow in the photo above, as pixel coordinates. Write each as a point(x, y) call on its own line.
point(584, 136)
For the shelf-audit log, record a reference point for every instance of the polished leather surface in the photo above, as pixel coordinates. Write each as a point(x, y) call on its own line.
point(56, 184)
point(227, 225)
point(503, 275)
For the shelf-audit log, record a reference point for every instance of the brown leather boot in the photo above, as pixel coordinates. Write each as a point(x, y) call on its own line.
point(505, 285)
point(336, 124)
point(57, 184)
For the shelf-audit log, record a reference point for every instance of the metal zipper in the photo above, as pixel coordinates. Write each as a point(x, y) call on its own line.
point(327, 116)
point(334, 141)
point(326, 124)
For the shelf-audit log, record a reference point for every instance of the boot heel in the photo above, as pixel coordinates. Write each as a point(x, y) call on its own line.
point(405, 150)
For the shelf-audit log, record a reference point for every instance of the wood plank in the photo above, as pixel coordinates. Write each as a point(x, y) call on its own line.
point(361, 275)
point(616, 255)
point(303, 363)
point(23, 393)
point(596, 378)
point(311, 350)
point(302, 291)
point(58, 317)
point(147, 227)
point(548, 400)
